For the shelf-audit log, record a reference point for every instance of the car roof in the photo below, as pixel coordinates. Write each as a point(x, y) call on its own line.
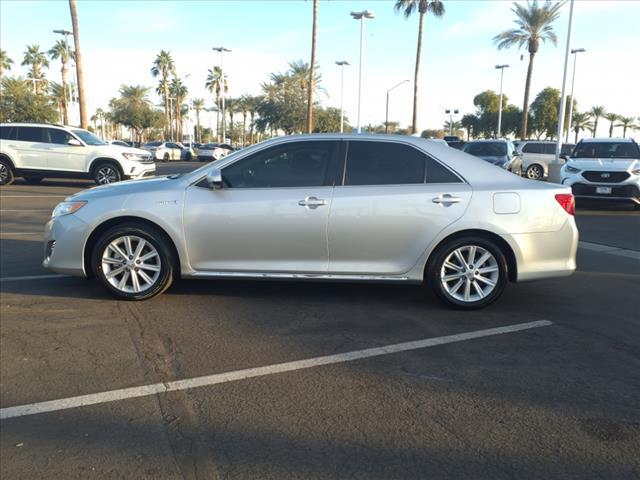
point(483, 140)
point(607, 140)
point(27, 124)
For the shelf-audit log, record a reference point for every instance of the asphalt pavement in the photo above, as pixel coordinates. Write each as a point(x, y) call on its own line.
point(206, 381)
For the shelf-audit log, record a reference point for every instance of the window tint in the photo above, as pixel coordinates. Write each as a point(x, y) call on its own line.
point(566, 148)
point(489, 149)
point(532, 148)
point(59, 137)
point(550, 148)
point(298, 164)
point(606, 150)
point(8, 133)
point(438, 173)
point(171, 145)
point(381, 163)
point(31, 134)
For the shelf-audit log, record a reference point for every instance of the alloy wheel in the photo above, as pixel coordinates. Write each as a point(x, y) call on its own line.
point(469, 273)
point(131, 264)
point(4, 174)
point(534, 172)
point(106, 175)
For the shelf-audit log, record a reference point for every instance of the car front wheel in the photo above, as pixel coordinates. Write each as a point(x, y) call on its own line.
point(106, 173)
point(133, 262)
point(468, 273)
point(6, 172)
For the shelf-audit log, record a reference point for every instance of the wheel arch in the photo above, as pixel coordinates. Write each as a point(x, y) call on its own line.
point(112, 222)
point(99, 160)
point(502, 244)
point(6, 157)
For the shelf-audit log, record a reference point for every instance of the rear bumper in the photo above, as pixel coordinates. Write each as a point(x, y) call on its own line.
point(546, 255)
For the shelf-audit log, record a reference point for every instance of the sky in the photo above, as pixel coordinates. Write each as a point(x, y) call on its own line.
point(120, 39)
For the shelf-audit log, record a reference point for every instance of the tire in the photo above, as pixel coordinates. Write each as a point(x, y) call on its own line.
point(535, 172)
point(159, 264)
point(6, 172)
point(480, 284)
point(105, 173)
point(33, 180)
point(166, 157)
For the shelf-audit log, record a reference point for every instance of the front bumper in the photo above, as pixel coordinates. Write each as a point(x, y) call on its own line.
point(64, 240)
point(628, 190)
point(140, 170)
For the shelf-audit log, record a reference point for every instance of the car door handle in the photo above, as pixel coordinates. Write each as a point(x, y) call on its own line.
point(312, 202)
point(446, 199)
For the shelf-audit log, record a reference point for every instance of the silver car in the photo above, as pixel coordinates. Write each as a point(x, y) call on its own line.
point(322, 207)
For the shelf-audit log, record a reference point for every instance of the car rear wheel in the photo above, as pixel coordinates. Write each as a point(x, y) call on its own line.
point(133, 262)
point(6, 172)
point(535, 172)
point(106, 173)
point(468, 273)
point(166, 157)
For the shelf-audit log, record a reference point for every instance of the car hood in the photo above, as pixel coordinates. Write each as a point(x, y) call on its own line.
point(127, 187)
point(605, 164)
point(115, 150)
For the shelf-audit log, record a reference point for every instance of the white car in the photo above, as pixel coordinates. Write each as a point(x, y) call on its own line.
point(604, 168)
point(35, 151)
point(213, 151)
point(167, 151)
point(537, 155)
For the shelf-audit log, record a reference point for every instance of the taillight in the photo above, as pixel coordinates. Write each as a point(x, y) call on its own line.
point(567, 202)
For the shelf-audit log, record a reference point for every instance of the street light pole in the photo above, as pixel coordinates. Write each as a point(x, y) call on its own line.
point(573, 82)
point(501, 68)
point(342, 64)
point(361, 16)
point(555, 166)
point(451, 113)
point(224, 120)
point(386, 116)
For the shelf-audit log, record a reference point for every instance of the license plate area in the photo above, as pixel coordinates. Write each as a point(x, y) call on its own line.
point(603, 190)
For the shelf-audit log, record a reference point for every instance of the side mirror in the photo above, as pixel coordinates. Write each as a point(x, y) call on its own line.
point(214, 179)
point(564, 157)
point(74, 142)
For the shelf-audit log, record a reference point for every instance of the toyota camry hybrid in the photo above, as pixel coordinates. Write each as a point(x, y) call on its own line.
point(322, 207)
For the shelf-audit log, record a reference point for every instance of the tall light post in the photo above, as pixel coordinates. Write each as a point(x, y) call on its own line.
point(573, 82)
point(501, 68)
point(224, 117)
point(342, 64)
point(555, 166)
point(361, 16)
point(386, 116)
point(65, 33)
point(451, 113)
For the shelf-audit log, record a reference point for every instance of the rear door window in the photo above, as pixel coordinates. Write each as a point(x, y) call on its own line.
point(31, 134)
point(383, 163)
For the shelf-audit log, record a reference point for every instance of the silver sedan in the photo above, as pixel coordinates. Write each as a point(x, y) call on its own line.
point(322, 207)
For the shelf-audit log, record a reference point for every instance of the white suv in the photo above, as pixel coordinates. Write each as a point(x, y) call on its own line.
point(35, 151)
point(604, 168)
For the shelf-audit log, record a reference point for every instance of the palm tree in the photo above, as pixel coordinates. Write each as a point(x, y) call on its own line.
point(179, 91)
point(534, 23)
point(215, 84)
point(198, 105)
point(231, 107)
point(436, 7)
point(100, 116)
point(625, 123)
point(311, 85)
point(62, 51)
point(612, 118)
point(452, 126)
point(581, 121)
point(163, 67)
point(5, 63)
point(79, 69)
point(597, 112)
point(59, 96)
point(37, 60)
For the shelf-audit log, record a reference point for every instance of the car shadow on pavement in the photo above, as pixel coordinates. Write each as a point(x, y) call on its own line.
point(55, 182)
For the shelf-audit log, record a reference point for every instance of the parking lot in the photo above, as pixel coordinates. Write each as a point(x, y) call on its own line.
point(472, 396)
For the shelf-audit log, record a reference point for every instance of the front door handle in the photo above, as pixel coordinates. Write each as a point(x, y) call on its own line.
point(446, 200)
point(312, 202)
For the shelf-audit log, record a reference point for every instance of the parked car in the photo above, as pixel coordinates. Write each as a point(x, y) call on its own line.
point(451, 138)
point(35, 151)
point(537, 155)
point(165, 151)
point(499, 152)
point(400, 210)
point(213, 151)
point(605, 169)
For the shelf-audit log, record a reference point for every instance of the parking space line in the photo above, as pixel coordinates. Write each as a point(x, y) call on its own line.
point(31, 277)
point(608, 249)
point(208, 380)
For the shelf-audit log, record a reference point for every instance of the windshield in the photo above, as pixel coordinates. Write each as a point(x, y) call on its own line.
point(88, 137)
point(606, 150)
point(487, 149)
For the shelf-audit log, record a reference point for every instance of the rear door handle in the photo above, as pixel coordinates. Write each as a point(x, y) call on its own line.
point(312, 202)
point(446, 200)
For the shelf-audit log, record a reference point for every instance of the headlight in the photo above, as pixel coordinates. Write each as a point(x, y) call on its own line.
point(66, 208)
point(571, 169)
point(136, 157)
